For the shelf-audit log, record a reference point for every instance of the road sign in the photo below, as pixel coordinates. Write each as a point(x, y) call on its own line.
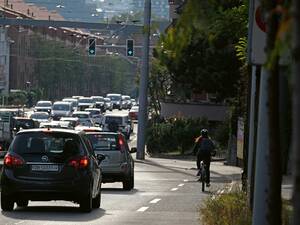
point(257, 34)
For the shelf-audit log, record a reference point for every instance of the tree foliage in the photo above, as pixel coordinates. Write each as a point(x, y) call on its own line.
point(199, 51)
point(64, 71)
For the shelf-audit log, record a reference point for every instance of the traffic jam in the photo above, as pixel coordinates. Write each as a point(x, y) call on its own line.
point(66, 150)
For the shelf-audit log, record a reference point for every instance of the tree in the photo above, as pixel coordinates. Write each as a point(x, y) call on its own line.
point(199, 51)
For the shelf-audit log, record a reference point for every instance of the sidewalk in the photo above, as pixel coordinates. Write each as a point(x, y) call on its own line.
point(220, 173)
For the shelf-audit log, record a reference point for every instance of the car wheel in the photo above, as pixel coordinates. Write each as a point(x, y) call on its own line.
point(97, 201)
point(7, 204)
point(86, 203)
point(22, 203)
point(128, 184)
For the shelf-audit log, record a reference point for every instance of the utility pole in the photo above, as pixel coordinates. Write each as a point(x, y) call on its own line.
point(296, 111)
point(143, 88)
point(262, 179)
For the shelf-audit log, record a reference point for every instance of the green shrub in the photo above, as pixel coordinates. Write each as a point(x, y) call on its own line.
point(226, 209)
point(173, 135)
point(233, 209)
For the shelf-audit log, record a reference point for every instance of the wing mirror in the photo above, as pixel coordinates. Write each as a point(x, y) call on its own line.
point(133, 150)
point(100, 157)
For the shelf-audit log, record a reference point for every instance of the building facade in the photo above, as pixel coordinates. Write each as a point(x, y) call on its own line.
point(4, 60)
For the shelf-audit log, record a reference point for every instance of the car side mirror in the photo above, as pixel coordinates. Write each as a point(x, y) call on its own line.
point(133, 150)
point(100, 157)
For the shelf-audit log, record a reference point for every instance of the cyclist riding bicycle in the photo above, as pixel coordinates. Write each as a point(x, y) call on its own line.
point(204, 149)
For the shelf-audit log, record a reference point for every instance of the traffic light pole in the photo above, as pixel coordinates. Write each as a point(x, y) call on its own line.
point(143, 88)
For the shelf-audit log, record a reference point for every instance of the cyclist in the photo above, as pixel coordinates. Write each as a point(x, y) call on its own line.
point(204, 149)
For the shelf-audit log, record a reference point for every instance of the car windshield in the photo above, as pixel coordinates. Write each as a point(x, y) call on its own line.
point(24, 123)
point(43, 104)
point(85, 100)
point(115, 98)
point(99, 99)
point(61, 107)
point(113, 119)
point(93, 112)
point(135, 109)
point(80, 116)
point(40, 116)
point(107, 100)
point(46, 143)
point(103, 142)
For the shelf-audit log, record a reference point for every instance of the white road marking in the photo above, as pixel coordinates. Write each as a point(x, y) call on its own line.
point(180, 185)
point(174, 189)
point(156, 200)
point(185, 180)
point(142, 209)
point(22, 221)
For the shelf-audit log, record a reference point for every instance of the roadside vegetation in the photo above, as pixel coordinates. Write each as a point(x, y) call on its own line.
point(233, 209)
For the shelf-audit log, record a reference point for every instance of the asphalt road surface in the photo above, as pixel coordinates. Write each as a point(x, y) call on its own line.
point(163, 195)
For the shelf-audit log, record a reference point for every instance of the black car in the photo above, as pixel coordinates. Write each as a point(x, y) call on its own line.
point(51, 164)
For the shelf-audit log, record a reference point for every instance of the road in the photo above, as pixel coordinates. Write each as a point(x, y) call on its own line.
point(166, 193)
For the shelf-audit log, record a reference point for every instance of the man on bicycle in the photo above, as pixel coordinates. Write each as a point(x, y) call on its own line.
point(204, 149)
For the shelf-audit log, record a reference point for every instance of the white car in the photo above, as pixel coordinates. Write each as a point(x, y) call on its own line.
point(61, 109)
point(116, 100)
point(40, 117)
point(43, 106)
point(95, 114)
point(85, 102)
point(84, 118)
point(108, 104)
point(73, 101)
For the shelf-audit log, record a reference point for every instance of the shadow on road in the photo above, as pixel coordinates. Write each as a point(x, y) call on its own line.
point(54, 213)
point(118, 191)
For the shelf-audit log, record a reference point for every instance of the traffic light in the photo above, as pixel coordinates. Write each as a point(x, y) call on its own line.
point(92, 47)
point(129, 47)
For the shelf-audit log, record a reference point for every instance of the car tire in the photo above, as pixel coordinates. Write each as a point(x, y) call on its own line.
point(97, 201)
point(22, 203)
point(86, 203)
point(128, 184)
point(7, 204)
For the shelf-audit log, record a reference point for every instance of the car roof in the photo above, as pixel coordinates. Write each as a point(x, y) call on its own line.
point(39, 112)
point(115, 115)
point(92, 109)
point(81, 112)
point(103, 132)
point(44, 101)
point(62, 103)
point(69, 119)
point(36, 130)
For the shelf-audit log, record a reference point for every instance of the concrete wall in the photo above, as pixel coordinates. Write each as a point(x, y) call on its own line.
point(210, 111)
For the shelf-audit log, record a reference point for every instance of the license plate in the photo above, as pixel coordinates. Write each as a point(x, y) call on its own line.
point(51, 168)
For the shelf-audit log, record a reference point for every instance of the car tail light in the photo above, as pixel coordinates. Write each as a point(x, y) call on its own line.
point(79, 163)
point(121, 142)
point(13, 161)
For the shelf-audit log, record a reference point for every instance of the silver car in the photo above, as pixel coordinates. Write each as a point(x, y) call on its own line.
point(118, 165)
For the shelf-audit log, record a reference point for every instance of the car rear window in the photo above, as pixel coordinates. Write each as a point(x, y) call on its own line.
point(46, 143)
point(80, 116)
point(113, 119)
point(103, 142)
point(61, 107)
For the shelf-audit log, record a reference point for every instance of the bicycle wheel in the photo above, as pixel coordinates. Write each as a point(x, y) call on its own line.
point(203, 178)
